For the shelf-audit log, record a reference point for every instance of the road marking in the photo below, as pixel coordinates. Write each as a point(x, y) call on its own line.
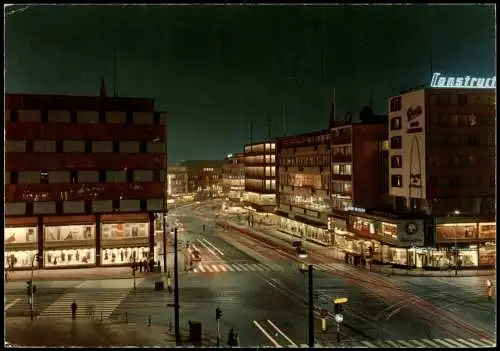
point(251, 268)
point(214, 267)
point(446, 344)
point(214, 247)
point(419, 344)
point(236, 267)
point(468, 343)
point(209, 249)
point(392, 343)
point(229, 268)
point(12, 304)
point(266, 334)
point(489, 343)
point(200, 268)
point(406, 343)
point(281, 332)
point(369, 344)
point(258, 267)
point(241, 267)
point(222, 268)
point(430, 342)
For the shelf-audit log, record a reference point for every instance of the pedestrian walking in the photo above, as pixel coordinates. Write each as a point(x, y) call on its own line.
point(151, 265)
point(169, 284)
point(230, 338)
point(74, 307)
point(141, 264)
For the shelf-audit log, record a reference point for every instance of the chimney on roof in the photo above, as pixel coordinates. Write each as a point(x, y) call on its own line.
point(102, 92)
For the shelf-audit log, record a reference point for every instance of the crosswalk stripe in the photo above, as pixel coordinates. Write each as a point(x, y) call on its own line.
point(455, 343)
point(488, 342)
point(200, 267)
point(444, 343)
point(195, 270)
point(392, 343)
point(222, 268)
point(236, 267)
point(251, 268)
point(419, 344)
point(258, 267)
point(369, 344)
point(229, 268)
point(405, 343)
point(481, 342)
point(467, 343)
point(242, 267)
point(430, 342)
point(214, 267)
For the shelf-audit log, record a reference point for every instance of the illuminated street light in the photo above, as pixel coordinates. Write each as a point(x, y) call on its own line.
point(302, 254)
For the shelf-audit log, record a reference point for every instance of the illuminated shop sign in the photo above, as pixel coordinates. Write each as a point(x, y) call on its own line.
point(439, 81)
point(355, 209)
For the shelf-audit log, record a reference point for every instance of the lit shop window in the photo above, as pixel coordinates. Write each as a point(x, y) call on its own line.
point(69, 257)
point(19, 235)
point(69, 232)
point(19, 258)
point(124, 230)
point(122, 255)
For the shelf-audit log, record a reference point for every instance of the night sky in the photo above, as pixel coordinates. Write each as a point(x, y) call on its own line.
point(213, 68)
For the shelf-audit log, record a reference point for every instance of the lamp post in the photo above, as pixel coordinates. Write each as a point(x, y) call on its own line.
point(165, 194)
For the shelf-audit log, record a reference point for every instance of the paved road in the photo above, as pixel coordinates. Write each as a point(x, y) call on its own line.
point(263, 296)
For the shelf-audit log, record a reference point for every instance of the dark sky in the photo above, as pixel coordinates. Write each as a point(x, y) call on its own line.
point(213, 68)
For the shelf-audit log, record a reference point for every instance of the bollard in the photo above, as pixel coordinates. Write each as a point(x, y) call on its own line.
point(149, 320)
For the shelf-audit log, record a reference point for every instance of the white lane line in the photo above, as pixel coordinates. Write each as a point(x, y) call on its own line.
point(12, 304)
point(236, 267)
point(266, 334)
point(200, 268)
point(209, 249)
point(214, 247)
point(281, 332)
point(369, 344)
point(214, 267)
point(454, 343)
point(222, 268)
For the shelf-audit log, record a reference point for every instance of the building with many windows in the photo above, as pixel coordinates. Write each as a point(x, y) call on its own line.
point(260, 175)
point(442, 163)
point(84, 180)
point(233, 176)
point(177, 181)
point(303, 185)
point(204, 177)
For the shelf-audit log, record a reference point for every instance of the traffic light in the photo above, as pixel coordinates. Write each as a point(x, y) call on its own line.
point(218, 313)
point(338, 308)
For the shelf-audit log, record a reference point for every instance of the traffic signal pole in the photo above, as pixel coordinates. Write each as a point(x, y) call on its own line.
point(311, 306)
point(176, 293)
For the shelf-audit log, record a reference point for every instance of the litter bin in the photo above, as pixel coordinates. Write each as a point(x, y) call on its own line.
point(195, 332)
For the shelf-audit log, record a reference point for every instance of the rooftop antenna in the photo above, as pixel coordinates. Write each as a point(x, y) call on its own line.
point(333, 110)
point(114, 71)
point(251, 131)
point(283, 119)
point(269, 127)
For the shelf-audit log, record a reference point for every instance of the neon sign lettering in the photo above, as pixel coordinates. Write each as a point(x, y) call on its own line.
point(439, 81)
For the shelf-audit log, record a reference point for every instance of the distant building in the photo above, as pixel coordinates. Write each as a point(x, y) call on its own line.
point(233, 176)
point(84, 180)
point(260, 175)
point(204, 177)
point(303, 187)
point(177, 181)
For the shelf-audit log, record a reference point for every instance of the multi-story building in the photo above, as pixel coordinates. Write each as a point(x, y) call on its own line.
point(204, 177)
point(442, 155)
point(260, 176)
point(303, 185)
point(84, 180)
point(233, 176)
point(177, 181)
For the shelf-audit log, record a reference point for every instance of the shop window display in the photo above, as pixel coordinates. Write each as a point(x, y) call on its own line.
point(487, 230)
point(487, 255)
point(113, 231)
point(69, 257)
point(69, 232)
point(116, 256)
point(20, 235)
point(19, 259)
point(456, 231)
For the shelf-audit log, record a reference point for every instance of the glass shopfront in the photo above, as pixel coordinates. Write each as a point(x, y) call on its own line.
point(456, 231)
point(20, 247)
point(119, 241)
point(487, 254)
point(487, 230)
point(69, 245)
point(69, 257)
point(299, 229)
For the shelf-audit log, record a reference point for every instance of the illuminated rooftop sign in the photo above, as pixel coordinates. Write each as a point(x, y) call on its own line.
point(439, 81)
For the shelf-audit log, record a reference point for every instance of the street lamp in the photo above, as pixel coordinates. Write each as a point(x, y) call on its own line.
point(165, 194)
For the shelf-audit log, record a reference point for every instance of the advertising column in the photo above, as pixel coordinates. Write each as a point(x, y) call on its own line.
point(69, 245)
point(20, 240)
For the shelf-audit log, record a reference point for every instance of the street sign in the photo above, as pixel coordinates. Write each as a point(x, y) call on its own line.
point(341, 300)
point(339, 318)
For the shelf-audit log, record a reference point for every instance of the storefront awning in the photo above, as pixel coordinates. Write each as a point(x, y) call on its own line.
point(68, 220)
point(125, 217)
point(20, 221)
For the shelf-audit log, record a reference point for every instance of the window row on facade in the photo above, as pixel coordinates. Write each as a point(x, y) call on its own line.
point(315, 181)
point(82, 207)
point(447, 100)
point(73, 116)
point(305, 161)
point(342, 150)
point(83, 191)
point(60, 146)
point(77, 177)
point(260, 159)
point(264, 148)
point(256, 172)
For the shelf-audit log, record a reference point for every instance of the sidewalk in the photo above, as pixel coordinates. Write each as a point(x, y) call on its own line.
point(283, 238)
point(75, 274)
point(87, 333)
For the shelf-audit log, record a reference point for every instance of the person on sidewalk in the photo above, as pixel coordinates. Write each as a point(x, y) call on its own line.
point(169, 283)
point(74, 307)
point(231, 337)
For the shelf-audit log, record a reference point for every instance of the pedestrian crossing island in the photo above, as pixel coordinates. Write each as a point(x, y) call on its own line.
point(428, 343)
point(233, 267)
